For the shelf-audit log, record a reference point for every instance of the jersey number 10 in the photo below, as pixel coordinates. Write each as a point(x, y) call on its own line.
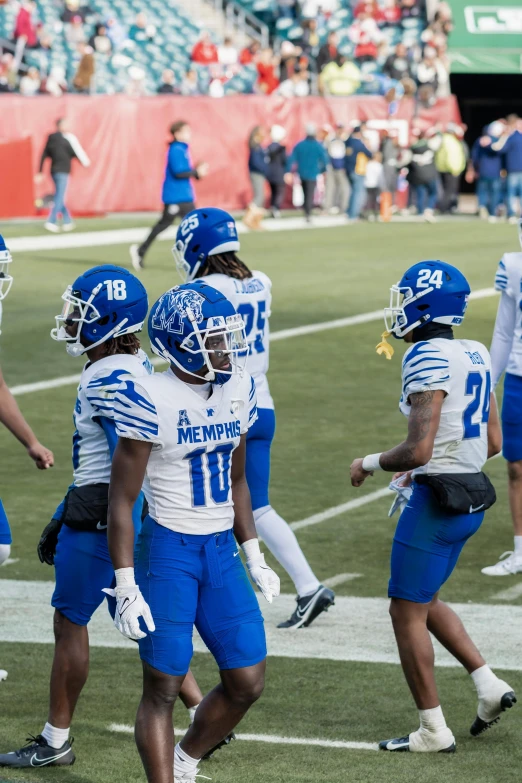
point(218, 465)
point(474, 383)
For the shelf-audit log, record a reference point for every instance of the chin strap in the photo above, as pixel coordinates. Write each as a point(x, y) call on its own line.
point(384, 346)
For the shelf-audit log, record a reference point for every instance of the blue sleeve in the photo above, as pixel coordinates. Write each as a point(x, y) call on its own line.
point(424, 368)
point(177, 162)
point(101, 389)
point(475, 153)
point(135, 414)
point(290, 161)
point(109, 428)
point(366, 151)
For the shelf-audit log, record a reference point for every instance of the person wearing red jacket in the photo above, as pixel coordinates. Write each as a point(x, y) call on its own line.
point(24, 25)
point(205, 51)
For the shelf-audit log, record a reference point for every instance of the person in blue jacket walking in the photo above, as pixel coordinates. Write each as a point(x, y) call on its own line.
point(310, 159)
point(510, 145)
point(485, 166)
point(178, 191)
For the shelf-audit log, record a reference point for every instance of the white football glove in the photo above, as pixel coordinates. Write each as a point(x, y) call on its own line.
point(266, 580)
point(402, 497)
point(130, 606)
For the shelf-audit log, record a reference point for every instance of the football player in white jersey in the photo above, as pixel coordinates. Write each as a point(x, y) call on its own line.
point(182, 435)
point(103, 309)
point(12, 419)
point(206, 248)
point(453, 428)
point(506, 356)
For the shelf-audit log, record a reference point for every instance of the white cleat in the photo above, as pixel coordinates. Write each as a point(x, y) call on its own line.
point(498, 699)
point(429, 217)
point(52, 227)
point(136, 259)
point(3, 675)
point(68, 227)
point(189, 777)
point(422, 741)
point(508, 564)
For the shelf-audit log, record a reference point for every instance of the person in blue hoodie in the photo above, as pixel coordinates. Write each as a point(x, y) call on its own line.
point(510, 145)
point(485, 166)
point(311, 159)
point(178, 192)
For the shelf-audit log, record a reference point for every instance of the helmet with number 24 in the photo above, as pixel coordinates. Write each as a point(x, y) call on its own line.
point(105, 302)
point(430, 291)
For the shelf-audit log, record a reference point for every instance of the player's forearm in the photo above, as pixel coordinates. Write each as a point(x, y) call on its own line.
point(406, 456)
point(11, 417)
point(120, 533)
point(244, 525)
point(128, 470)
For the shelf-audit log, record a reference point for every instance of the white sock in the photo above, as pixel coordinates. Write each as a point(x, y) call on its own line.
point(518, 547)
point(483, 678)
point(183, 762)
point(5, 551)
point(281, 541)
point(55, 737)
point(192, 712)
point(432, 720)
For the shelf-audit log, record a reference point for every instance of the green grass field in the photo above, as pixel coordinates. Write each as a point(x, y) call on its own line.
point(335, 400)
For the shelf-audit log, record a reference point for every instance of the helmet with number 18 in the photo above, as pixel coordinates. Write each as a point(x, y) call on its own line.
point(430, 291)
point(105, 302)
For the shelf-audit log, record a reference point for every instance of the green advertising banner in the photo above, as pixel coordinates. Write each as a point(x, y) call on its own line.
point(486, 38)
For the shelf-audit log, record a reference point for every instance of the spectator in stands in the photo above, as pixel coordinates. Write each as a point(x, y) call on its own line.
point(205, 51)
point(397, 65)
point(168, 81)
point(337, 186)
point(368, 8)
point(310, 9)
point(410, 9)
point(100, 41)
point(391, 12)
point(56, 83)
point(189, 83)
point(141, 31)
point(85, 72)
point(442, 64)
point(356, 161)
point(249, 53)
point(450, 161)
point(309, 41)
point(374, 184)
point(310, 159)
point(276, 168)
point(61, 148)
point(74, 8)
point(288, 60)
point(422, 175)
point(390, 151)
point(366, 36)
point(8, 72)
point(427, 69)
point(74, 32)
point(178, 193)
point(287, 9)
point(267, 80)
point(484, 166)
point(296, 86)
point(510, 144)
point(227, 53)
point(328, 51)
point(116, 33)
point(25, 28)
point(257, 166)
point(340, 77)
point(135, 87)
point(30, 83)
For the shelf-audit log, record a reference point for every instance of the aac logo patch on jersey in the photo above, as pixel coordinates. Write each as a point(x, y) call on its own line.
point(183, 420)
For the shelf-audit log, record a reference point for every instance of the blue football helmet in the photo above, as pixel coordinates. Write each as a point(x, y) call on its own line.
point(430, 291)
point(187, 319)
point(106, 301)
point(203, 233)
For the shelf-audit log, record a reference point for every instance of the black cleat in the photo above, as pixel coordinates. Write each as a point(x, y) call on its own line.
point(38, 753)
point(507, 701)
point(402, 745)
point(208, 755)
point(309, 607)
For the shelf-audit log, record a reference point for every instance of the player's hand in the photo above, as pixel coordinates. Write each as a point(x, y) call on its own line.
point(47, 544)
point(357, 474)
point(42, 457)
point(266, 580)
point(38, 178)
point(484, 141)
point(469, 177)
point(202, 169)
point(289, 178)
point(405, 475)
point(130, 606)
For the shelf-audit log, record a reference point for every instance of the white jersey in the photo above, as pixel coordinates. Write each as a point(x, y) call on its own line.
point(98, 385)
point(506, 346)
point(462, 369)
point(252, 298)
point(187, 482)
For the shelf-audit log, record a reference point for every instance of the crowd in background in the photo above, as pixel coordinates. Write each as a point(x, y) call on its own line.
point(357, 170)
point(315, 62)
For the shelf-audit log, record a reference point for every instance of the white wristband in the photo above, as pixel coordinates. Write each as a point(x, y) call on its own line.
point(251, 549)
point(371, 462)
point(124, 577)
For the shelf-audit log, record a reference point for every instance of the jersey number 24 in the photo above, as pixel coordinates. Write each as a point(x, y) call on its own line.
point(480, 392)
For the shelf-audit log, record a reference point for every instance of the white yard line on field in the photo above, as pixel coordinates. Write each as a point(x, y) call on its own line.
point(340, 579)
point(511, 594)
point(335, 511)
point(274, 739)
point(283, 334)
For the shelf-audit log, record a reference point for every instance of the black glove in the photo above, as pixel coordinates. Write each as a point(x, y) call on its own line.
point(47, 543)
